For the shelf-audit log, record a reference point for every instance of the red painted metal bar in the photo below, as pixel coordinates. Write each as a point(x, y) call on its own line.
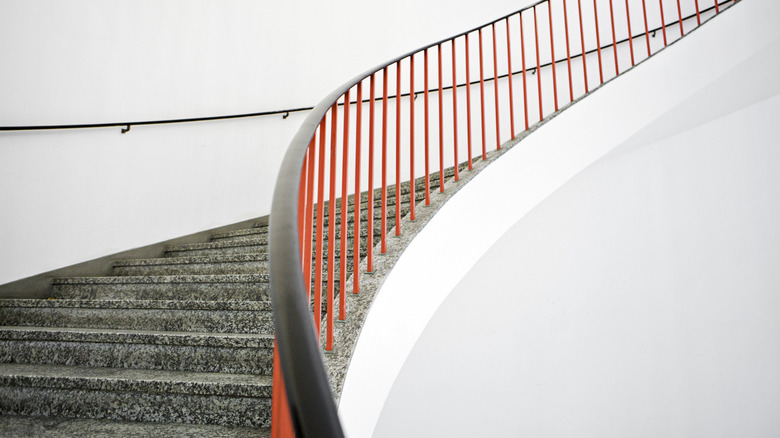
point(663, 23)
point(331, 228)
point(552, 57)
point(538, 66)
point(441, 127)
point(309, 226)
point(302, 204)
point(468, 103)
point(320, 214)
point(281, 419)
point(679, 17)
point(568, 52)
point(525, 87)
point(630, 35)
point(614, 40)
point(510, 80)
point(647, 32)
point(717, 7)
point(698, 16)
point(398, 148)
point(412, 97)
point(598, 40)
point(454, 111)
point(427, 137)
point(344, 212)
point(582, 40)
point(370, 200)
point(356, 208)
point(495, 86)
point(482, 92)
point(384, 162)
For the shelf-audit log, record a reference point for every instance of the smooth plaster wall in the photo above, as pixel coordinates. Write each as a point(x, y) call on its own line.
point(71, 196)
point(665, 92)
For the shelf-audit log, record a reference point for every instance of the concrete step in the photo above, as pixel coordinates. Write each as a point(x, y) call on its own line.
point(135, 395)
point(195, 265)
point(252, 287)
point(257, 244)
point(138, 349)
point(162, 315)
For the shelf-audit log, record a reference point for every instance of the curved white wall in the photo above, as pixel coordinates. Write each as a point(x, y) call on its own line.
point(70, 196)
point(671, 98)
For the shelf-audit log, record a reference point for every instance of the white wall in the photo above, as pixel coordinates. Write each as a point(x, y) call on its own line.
point(663, 92)
point(70, 196)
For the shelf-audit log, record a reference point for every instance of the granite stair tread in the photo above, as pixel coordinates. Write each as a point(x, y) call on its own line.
point(254, 240)
point(129, 379)
point(125, 336)
point(181, 260)
point(165, 279)
point(138, 304)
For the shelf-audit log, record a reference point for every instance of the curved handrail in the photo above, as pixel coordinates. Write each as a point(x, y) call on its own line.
point(311, 405)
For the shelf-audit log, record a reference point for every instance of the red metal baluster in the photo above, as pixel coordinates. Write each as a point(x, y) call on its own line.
point(309, 227)
point(717, 7)
point(320, 214)
point(510, 79)
point(411, 137)
point(679, 17)
point(525, 87)
point(370, 200)
point(647, 32)
point(281, 419)
point(698, 17)
point(468, 102)
point(482, 92)
point(663, 23)
point(454, 112)
point(568, 53)
point(441, 128)
point(552, 57)
point(598, 40)
point(538, 66)
point(356, 208)
point(630, 35)
point(384, 162)
point(495, 83)
point(614, 40)
point(331, 228)
point(344, 213)
point(398, 148)
point(582, 39)
point(427, 170)
point(302, 205)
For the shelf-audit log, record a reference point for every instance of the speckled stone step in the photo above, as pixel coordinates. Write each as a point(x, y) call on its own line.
point(162, 315)
point(139, 349)
point(135, 395)
point(257, 244)
point(253, 287)
point(196, 265)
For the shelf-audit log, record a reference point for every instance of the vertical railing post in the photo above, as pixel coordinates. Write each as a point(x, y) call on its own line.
point(495, 85)
point(510, 79)
point(454, 110)
point(468, 104)
point(630, 35)
point(441, 125)
point(552, 57)
point(582, 41)
point(412, 98)
point(398, 148)
point(356, 204)
point(309, 226)
point(482, 92)
point(647, 32)
point(525, 85)
point(538, 66)
point(331, 228)
point(281, 420)
point(320, 226)
point(344, 213)
point(679, 17)
point(427, 169)
point(598, 40)
point(383, 219)
point(614, 39)
point(698, 16)
point(663, 23)
point(370, 200)
point(568, 52)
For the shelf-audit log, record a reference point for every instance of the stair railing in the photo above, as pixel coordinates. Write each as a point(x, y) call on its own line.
point(335, 148)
